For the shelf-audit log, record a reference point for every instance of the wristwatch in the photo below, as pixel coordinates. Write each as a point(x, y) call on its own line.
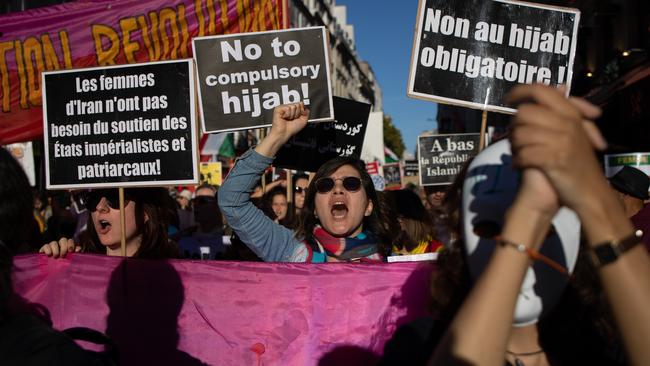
point(608, 252)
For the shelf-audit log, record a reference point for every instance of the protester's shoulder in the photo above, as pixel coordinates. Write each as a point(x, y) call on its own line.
point(413, 342)
point(26, 340)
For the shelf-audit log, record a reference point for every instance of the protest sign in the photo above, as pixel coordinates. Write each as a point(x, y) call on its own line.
point(616, 162)
point(320, 142)
point(374, 170)
point(131, 125)
point(443, 156)
point(101, 33)
point(242, 77)
point(211, 173)
point(411, 168)
point(472, 52)
point(392, 176)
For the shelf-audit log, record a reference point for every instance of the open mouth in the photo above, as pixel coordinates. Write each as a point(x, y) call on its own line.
point(104, 226)
point(339, 210)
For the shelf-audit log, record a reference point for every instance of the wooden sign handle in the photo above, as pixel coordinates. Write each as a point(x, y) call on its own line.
point(122, 222)
point(481, 144)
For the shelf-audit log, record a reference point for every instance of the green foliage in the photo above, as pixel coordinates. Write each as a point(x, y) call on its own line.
point(393, 136)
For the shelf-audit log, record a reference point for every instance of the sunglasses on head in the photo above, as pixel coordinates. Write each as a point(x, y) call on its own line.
point(112, 196)
point(351, 184)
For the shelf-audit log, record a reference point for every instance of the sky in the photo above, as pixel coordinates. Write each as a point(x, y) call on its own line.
point(383, 32)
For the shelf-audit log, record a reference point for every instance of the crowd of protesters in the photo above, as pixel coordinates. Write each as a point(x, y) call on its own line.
point(542, 268)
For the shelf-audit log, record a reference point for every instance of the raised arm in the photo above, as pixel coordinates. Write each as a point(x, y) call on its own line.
point(548, 137)
point(270, 241)
point(480, 330)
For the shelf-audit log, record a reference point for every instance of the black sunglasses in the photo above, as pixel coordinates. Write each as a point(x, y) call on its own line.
point(112, 196)
point(351, 184)
point(300, 190)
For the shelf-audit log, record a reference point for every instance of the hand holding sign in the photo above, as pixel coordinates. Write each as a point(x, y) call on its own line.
point(288, 120)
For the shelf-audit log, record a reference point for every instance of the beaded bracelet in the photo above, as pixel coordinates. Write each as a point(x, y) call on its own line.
point(532, 254)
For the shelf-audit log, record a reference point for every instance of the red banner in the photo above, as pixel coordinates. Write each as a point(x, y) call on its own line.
point(228, 313)
point(102, 32)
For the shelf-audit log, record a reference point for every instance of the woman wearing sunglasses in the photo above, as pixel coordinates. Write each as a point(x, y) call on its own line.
point(340, 217)
point(145, 219)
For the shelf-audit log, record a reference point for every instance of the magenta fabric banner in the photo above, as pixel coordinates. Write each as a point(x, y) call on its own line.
point(89, 33)
point(229, 313)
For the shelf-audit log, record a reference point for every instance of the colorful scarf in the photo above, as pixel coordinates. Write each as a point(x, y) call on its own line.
point(363, 247)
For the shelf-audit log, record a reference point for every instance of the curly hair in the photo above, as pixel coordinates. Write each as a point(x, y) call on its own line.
point(373, 223)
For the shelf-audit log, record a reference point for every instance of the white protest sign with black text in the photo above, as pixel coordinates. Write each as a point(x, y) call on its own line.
point(119, 126)
point(443, 156)
point(242, 77)
point(472, 52)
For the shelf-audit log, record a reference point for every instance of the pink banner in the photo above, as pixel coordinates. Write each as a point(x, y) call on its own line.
point(229, 313)
point(87, 33)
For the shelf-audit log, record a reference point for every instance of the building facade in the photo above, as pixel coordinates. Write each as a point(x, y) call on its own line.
point(352, 78)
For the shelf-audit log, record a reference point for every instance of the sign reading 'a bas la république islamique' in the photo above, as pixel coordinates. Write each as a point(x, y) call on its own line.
point(320, 142)
point(443, 156)
point(472, 52)
point(119, 126)
point(242, 77)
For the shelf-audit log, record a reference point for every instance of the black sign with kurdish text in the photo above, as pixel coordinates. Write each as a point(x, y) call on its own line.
point(472, 52)
point(443, 156)
point(320, 142)
point(242, 77)
point(131, 125)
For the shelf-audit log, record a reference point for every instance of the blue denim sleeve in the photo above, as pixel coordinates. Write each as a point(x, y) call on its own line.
point(270, 241)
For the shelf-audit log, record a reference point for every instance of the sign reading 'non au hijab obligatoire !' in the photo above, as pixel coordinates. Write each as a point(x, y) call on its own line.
point(120, 126)
point(242, 77)
point(472, 52)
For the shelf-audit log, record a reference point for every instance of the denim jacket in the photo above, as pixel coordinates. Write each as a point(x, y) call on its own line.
point(270, 241)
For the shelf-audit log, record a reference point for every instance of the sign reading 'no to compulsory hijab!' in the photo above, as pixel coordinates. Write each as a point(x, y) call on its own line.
point(119, 126)
point(472, 52)
point(242, 77)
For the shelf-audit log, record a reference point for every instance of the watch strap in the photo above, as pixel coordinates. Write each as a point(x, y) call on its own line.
point(609, 251)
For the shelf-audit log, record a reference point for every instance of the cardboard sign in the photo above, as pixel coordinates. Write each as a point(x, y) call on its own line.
point(443, 156)
point(616, 162)
point(393, 176)
point(472, 52)
point(131, 125)
point(211, 173)
point(242, 77)
point(319, 142)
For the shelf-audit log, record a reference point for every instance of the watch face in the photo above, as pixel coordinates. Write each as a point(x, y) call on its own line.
point(605, 254)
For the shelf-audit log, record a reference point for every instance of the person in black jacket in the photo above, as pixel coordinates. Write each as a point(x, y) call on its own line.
point(26, 339)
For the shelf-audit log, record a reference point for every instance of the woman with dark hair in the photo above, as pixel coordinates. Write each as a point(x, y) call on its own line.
point(417, 234)
point(340, 218)
point(275, 201)
point(145, 219)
